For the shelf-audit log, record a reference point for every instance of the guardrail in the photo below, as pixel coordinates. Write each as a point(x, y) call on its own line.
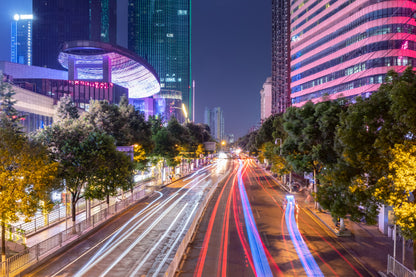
point(18, 232)
point(398, 269)
point(21, 261)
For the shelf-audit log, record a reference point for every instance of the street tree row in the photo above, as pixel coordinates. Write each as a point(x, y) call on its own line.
point(362, 152)
point(78, 153)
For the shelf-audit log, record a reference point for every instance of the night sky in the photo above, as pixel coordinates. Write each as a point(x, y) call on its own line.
point(231, 55)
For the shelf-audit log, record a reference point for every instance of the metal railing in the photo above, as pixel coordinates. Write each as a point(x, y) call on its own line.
point(398, 269)
point(19, 262)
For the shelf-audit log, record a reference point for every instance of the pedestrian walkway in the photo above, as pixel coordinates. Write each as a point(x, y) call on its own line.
point(365, 242)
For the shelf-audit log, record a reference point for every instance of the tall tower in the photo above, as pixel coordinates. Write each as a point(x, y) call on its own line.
point(215, 120)
point(160, 32)
point(21, 39)
point(280, 55)
point(345, 48)
point(59, 21)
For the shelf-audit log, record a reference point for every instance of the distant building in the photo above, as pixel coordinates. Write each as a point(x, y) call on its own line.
point(230, 138)
point(266, 100)
point(160, 32)
point(59, 21)
point(345, 48)
point(280, 100)
point(215, 120)
point(21, 39)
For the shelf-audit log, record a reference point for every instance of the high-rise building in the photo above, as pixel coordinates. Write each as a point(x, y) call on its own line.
point(266, 100)
point(59, 21)
point(215, 120)
point(280, 55)
point(21, 39)
point(345, 48)
point(160, 32)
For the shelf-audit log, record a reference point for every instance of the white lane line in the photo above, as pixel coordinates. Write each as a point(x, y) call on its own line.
point(109, 236)
point(114, 246)
point(159, 241)
point(176, 241)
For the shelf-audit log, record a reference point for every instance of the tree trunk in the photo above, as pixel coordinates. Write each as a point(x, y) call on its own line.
point(74, 213)
point(108, 200)
point(3, 241)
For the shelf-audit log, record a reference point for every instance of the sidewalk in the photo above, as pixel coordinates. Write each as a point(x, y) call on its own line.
point(365, 242)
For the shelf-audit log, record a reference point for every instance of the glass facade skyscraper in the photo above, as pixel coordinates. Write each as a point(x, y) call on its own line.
point(59, 21)
point(21, 39)
point(160, 32)
point(344, 48)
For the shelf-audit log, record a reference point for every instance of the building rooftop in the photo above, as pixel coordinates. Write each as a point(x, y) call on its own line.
point(91, 60)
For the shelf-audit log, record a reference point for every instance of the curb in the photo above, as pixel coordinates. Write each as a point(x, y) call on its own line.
point(344, 233)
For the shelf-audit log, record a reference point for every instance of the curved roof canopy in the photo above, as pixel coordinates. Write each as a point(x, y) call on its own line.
point(127, 69)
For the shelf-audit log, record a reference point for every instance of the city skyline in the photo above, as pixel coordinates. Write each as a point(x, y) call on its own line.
point(230, 56)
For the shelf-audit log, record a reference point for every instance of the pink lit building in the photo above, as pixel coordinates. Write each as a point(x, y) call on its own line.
point(266, 100)
point(344, 48)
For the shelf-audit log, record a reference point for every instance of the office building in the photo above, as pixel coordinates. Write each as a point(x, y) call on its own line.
point(280, 100)
point(21, 39)
point(345, 48)
point(160, 32)
point(266, 100)
point(215, 120)
point(59, 21)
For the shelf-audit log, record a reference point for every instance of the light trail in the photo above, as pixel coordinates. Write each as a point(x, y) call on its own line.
point(156, 273)
point(222, 262)
point(239, 227)
point(261, 264)
point(315, 231)
point(159, 241)
point(207, 237)
point(111, 236)
point(305, 256)
point(282, 221)
point(106, 251)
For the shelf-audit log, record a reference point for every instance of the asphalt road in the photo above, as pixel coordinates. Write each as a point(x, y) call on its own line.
point(222, 245)
point(142, 240)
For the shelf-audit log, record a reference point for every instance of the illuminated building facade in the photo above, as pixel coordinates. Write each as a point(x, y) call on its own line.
point(160, 32)
point(344, 48)
point(58, 21)
point(81, 91)
point(97, 61)
point(21, 39)
point(266, 100)
point(280, 100)
point(215, 120)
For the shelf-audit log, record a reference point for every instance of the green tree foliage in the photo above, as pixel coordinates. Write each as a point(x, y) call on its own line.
point(166, 146)
point(248, 143)
point(198, 134)
point(310, 143)
point(66, 109)
point(9, 116)
point(113, 169)
point(85, 155)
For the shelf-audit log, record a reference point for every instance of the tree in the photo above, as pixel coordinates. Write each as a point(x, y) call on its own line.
point(81, 152)
point(66, 109)
point(165, 146)
point(399, 189)
point(310, 144)
point(27, 176)
point(113, 169)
